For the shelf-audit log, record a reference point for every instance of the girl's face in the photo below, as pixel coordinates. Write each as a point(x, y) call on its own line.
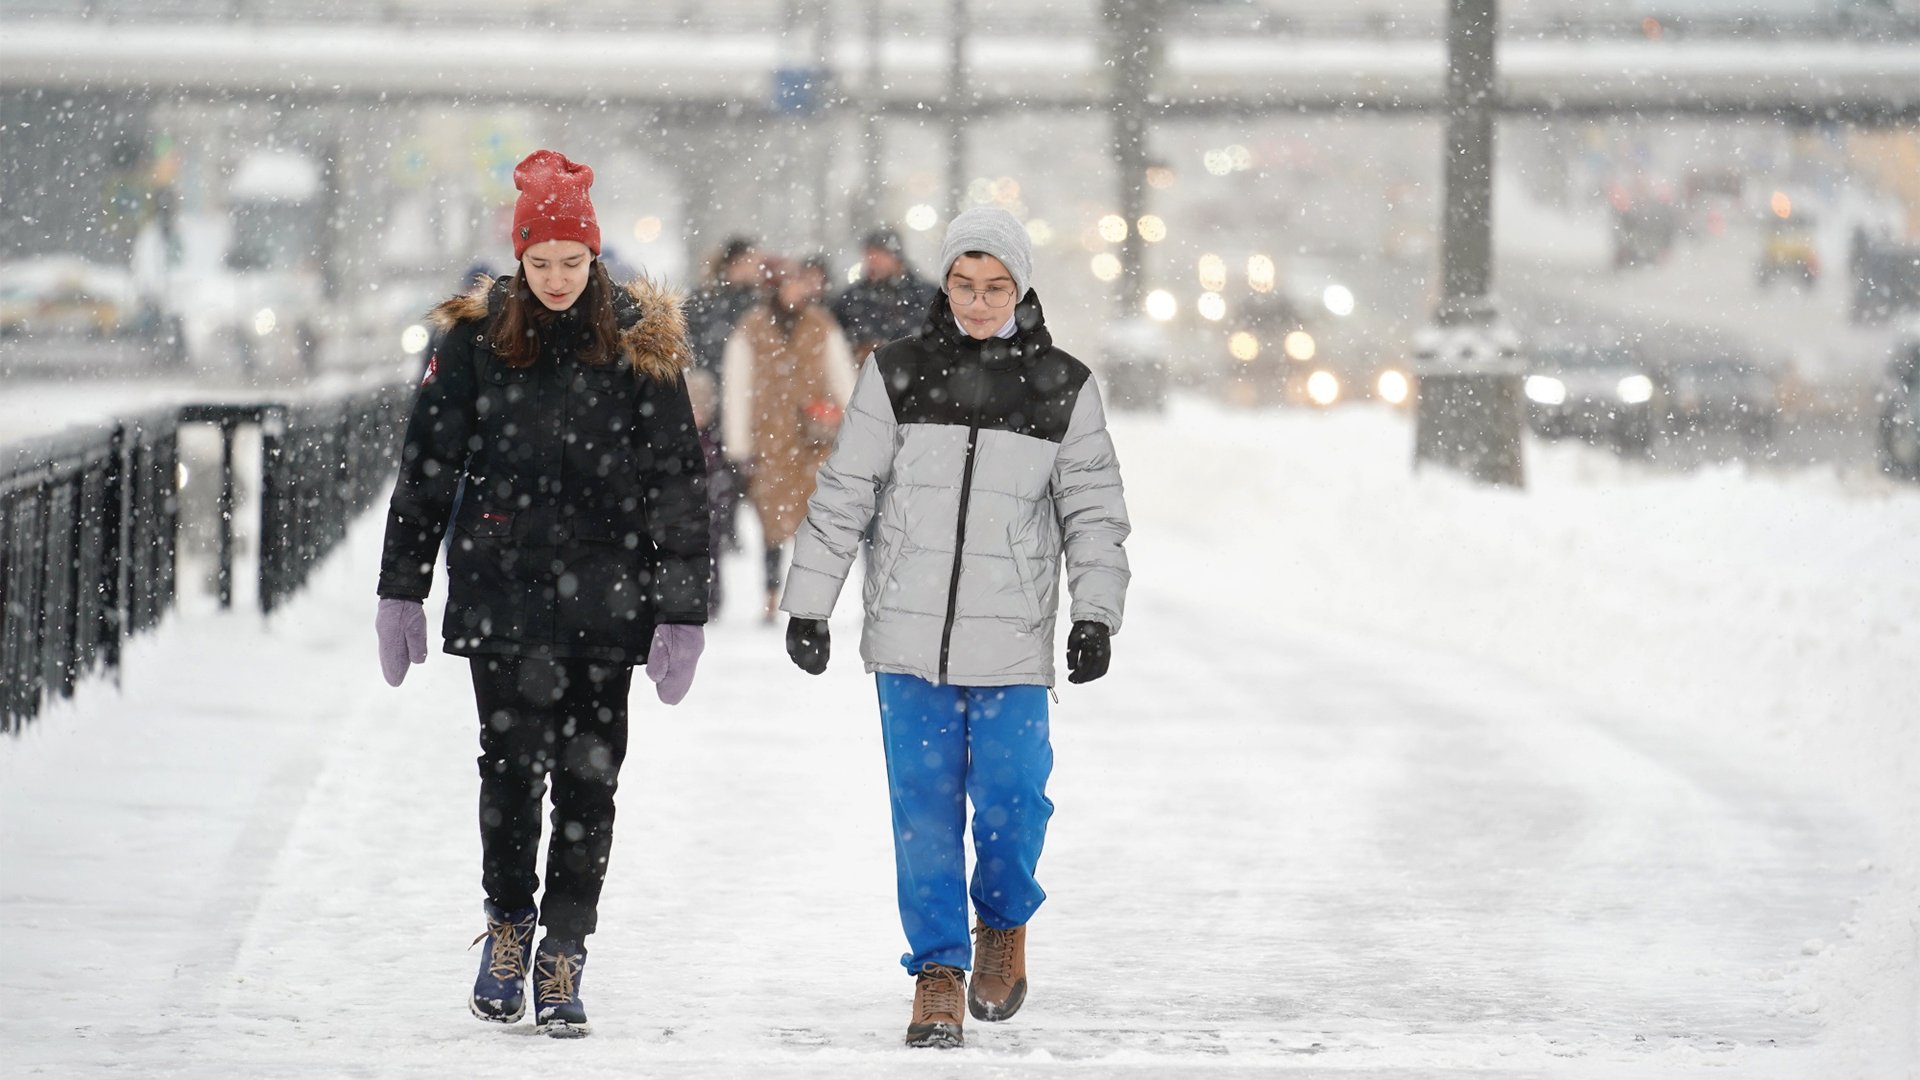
point(556, 271)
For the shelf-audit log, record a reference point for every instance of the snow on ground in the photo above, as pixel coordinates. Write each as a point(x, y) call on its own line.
point(1394, 776)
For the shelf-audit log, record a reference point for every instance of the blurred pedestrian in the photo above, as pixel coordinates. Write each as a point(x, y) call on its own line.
point(788, 374)
point(735, 283)
point(889, 301)
point(985, 450)
point(722, 493)
point(580, 550)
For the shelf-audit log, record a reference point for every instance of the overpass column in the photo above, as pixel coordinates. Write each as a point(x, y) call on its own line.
point(960, 100)
point(1134, 47)
point(1467, 363)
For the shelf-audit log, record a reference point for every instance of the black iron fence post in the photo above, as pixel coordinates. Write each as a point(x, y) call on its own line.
point(90, 520)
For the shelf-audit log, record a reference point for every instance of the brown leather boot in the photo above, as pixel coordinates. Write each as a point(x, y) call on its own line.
point(999, 984)
point(936, 1007)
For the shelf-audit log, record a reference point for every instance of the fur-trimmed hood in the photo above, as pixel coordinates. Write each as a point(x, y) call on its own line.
point(653, 329)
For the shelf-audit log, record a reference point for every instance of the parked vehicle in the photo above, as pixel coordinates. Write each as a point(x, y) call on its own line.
point(1133, 364)
point(1643, 232)
point(66, 310)
point(1900, 413)
point(1788, 249)
point(1886, 278)
point(1592, 386)
point(1721, 392)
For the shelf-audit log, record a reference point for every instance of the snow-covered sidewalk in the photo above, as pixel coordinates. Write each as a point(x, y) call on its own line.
point(1393, 777)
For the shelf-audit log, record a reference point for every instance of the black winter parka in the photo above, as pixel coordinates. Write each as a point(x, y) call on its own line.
point(584, 518)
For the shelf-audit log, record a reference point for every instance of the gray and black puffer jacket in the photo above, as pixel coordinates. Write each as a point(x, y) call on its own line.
point(986, 462)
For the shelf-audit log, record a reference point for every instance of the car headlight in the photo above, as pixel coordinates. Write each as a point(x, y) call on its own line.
point(1546, 390)
point(1323, 387)
point(1393, 387)
point(1635, 389)
point(264, 322)
point(414, 339)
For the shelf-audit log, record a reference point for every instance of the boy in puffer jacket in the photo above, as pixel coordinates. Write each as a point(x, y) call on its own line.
point(983, 451)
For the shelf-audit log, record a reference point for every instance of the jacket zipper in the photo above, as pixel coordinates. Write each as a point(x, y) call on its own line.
point(959, 545)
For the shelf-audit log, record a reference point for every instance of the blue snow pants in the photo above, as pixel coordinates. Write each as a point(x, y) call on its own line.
point(945, 745)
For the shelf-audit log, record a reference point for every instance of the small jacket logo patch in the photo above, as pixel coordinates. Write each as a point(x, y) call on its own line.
point(433, 368)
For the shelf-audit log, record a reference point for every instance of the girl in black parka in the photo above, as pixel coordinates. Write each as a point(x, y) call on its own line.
point(579, 550)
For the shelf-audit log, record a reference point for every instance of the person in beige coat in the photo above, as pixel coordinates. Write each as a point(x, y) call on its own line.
point(787, 375)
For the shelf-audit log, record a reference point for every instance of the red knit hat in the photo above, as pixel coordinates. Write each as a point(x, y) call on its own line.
point(553, 202)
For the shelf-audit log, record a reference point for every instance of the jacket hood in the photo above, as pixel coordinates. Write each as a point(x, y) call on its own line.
point(653, 329)
point(1030, 339)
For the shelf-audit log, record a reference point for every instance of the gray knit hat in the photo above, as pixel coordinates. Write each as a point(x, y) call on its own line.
point(996, 232)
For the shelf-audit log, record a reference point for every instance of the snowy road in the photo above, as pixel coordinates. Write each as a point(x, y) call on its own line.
point(1344, 808)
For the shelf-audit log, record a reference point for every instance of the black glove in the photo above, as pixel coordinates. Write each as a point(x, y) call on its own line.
point(1088, 651)
point(807, 643)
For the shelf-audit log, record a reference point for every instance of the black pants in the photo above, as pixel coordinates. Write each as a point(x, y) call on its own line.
point(538, 718)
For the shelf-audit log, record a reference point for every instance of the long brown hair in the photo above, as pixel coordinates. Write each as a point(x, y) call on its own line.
point(515, 331)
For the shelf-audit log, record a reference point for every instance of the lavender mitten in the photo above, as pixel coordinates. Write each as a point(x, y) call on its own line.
point(672, 658)
point(402, 626)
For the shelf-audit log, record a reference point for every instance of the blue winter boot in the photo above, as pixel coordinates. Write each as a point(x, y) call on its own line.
point(557, 969)
point(500, 990)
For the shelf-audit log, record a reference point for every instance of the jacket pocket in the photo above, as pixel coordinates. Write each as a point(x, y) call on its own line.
point(1029, 592)
point(502, 388)
point(478, 520)
point(880, 578)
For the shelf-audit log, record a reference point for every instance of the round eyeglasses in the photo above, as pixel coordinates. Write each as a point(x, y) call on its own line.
point(998, 296)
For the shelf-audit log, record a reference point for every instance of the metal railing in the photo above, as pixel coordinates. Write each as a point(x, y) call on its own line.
point(322, 463)
point(90, 523)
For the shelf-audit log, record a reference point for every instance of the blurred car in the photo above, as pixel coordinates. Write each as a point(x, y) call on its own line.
point(1886, 278)
point(63, 295)
point(1275, 354)
point(1133, 364)
point(1900, 415)
point(1788, 249)
point(387, 320)
point(1721, 392)
point(1643, 233)
point(1594, 387)
point(1266, 338)
point(66, 311)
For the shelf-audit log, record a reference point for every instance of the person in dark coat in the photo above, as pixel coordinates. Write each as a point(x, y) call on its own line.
point(736, 282)
point(888, 302)
point(580, 549)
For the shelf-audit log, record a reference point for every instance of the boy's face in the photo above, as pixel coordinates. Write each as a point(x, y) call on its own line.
point(980, 292)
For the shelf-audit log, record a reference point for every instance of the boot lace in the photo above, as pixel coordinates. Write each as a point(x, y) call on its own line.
point(940, 991)
point(508, 958)
point(556, 976)
point(993, 952)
